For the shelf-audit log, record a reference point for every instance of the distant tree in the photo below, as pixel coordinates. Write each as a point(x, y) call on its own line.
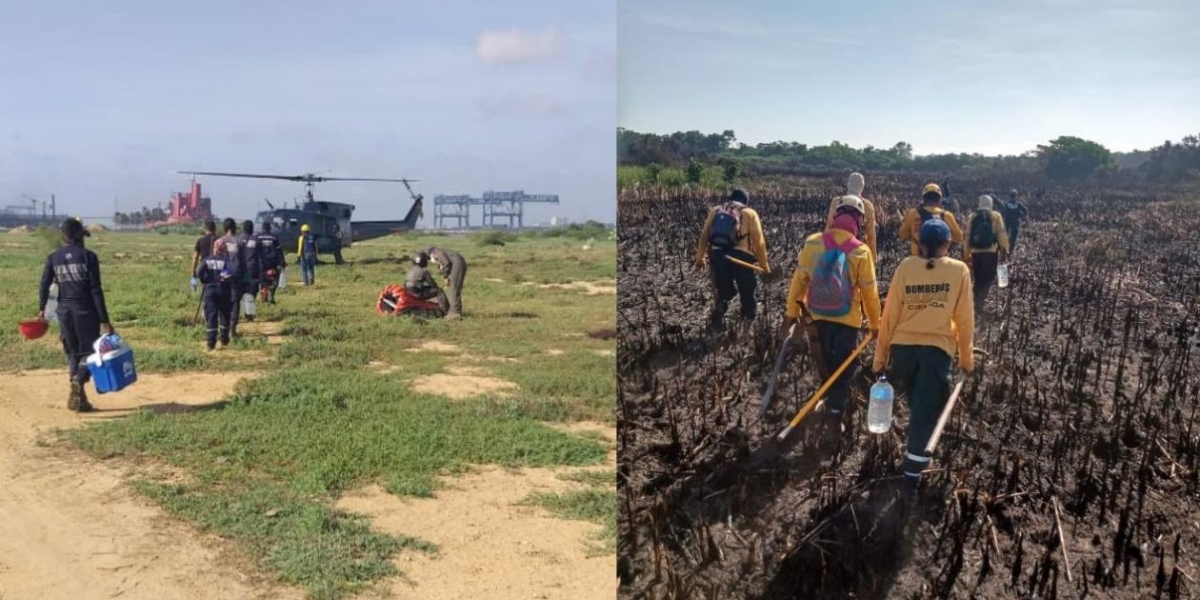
point(731, 168)
point(695, 171)
point(1070, 158)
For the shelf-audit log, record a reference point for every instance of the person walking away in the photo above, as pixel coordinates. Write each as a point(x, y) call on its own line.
point(733, 230)
point(453, 269)
point(835, 279)
point(930, 209)
point(987, 245)
point(233, 248)
point(306, 255)
point(855, 187)
point(203, 249)
point(421, 284)
point(927, 319)
point(1014, 212)
point(219, 273)
point(270, 259)
point(81, 311)
point(252, 275)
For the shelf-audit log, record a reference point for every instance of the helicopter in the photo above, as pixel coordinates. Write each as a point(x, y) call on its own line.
point(329, 222)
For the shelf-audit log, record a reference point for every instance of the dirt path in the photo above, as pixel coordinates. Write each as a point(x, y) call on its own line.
point(489, 545)
point(71, 528)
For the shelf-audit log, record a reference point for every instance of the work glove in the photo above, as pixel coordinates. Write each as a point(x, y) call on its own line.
point(194, 283)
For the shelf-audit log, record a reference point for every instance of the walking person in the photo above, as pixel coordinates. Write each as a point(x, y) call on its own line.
point(306, 255)
point(219, 273)
point(733, 230)
point(986, 247)
point(453, 268)
point(1014, 212)
point(855, 187)
point(252, 272)
point(271, 263)
point(81, 311)
point(203, 249)
point(930, 209)
point(835, 280)
point(928, 318)
point(233, 247)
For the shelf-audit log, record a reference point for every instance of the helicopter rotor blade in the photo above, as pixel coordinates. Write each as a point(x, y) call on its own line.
point(362, 179)
point(301, 178)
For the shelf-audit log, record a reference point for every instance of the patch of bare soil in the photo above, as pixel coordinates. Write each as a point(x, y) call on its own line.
point(436, 346)
point(272, 330)
point(463, 382)
point(590, 287)
point(71, 528)
point(489, 545)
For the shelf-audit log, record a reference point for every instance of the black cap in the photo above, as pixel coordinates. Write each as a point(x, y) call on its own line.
point(739, 195)
point(73, 228)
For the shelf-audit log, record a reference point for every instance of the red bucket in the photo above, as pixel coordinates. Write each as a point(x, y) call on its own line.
point(32, 329)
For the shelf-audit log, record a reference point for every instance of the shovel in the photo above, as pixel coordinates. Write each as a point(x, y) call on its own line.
point(808, 406)
point(769, 394)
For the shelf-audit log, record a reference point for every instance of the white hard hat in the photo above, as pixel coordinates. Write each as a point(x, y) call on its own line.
point(985, 202)
point(851, 201)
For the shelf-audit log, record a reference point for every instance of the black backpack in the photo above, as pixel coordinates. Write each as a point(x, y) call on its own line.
point(926, 215)
point(982, 236)
point(726, 226)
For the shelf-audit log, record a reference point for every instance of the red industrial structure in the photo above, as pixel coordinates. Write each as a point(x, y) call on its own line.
point(190, 207)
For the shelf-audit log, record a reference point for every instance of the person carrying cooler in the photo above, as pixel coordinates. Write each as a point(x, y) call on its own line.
point(81, 311)
point(987, 245)
point(835, 279)
point(252, 270)
point(203, 249)
point(270, 257)
point(927, 319)
point(306, 255)
point(1013, 212)
point(233, 246)
point(733, 230)
point(219, 273)
point(930, 209)
point(855, 187)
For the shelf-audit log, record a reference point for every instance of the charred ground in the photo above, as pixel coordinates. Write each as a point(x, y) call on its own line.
point(1088, 400)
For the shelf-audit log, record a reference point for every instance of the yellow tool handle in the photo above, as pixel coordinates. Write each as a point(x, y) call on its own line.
point(743, 263)
point(941, 424)
point(821, 392)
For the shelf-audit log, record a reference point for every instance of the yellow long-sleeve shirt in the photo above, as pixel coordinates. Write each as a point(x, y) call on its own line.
point(871, 227)
point(929, 307)
point(862, 269)
point(998, 230)
point(750, 236)
point(910, 228)
point(300, 244)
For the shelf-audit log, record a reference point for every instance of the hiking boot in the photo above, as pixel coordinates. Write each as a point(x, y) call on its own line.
point(453, 316)
point(84, 405)
point(73, 399)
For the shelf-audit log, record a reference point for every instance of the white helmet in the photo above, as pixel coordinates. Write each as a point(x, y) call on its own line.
point(855, 184)
point(985, 202)
point(852, 202)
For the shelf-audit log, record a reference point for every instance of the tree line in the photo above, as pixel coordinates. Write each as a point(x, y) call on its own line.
point(1066, 158)
point(140, 217)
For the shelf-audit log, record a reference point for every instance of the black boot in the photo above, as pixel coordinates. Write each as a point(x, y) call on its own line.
point(73, 399)
point(84, 405)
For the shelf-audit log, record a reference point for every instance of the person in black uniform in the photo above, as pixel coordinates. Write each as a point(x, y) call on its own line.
point(220, 274)
point(271, 263)
point(420, 283)
point(252, 275)
point(233, 247)
point(81, 312)
point(454, 269)
point(203, 249)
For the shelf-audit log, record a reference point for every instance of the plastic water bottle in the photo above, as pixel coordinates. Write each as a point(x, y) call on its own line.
point(879, 411)
point(52, 304)
point(1002, 275)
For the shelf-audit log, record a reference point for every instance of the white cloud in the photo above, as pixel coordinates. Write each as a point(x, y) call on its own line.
point(515, 47)
point(518, 105)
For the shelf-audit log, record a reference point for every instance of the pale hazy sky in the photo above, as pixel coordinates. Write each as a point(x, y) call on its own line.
point(944, 76)
point(108, 99)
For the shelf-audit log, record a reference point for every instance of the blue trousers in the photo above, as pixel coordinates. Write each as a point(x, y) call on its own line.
point(308, 268)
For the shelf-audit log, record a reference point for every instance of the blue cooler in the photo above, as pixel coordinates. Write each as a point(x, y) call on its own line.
point(112, 371)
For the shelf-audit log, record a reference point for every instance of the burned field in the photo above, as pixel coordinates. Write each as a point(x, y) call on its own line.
point(1084, 413)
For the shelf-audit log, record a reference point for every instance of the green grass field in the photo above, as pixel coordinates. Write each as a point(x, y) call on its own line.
point(333, 408)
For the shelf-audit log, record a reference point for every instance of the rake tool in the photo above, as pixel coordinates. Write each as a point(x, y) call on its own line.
point(779, 361)
point(808, 406)
point(941, 424)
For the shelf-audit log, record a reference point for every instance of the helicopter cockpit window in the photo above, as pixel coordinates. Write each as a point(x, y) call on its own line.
point(293, 224)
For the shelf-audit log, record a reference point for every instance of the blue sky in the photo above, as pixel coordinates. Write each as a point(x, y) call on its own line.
point(104, 100)
point(992, 77)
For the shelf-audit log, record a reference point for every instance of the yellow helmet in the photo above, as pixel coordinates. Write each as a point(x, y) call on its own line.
point(304, 227)
point(932, 188)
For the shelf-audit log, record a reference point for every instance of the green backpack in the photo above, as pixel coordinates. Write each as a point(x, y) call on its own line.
point(982, 236)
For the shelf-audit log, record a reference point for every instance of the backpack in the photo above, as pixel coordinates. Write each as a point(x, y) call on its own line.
point(726, 226)
point(926, 215)
point(831, 292)
point(268, 250)
point(982, 236)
